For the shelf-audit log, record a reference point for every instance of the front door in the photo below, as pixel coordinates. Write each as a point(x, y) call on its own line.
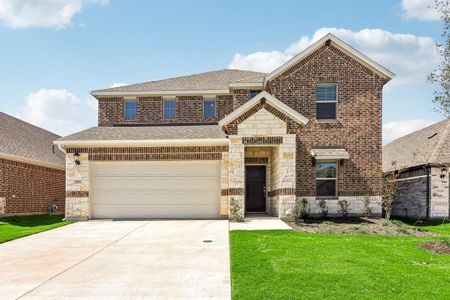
point(255, 189)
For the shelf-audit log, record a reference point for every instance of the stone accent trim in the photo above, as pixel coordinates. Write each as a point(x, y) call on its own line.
point(312, 193)
point(256, 160)
point(282, 192)
point(152, 153)
point(233, 192)
point(262, 140)
point(77, 194)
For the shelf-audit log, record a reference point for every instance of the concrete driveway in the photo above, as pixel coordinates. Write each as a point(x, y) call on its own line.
point(119, 259)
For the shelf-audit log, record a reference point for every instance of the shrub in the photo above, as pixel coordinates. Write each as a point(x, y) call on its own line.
point(300, 210)
point(367, 210)
point(323, 208)
point(235, 209)
point(344, 208)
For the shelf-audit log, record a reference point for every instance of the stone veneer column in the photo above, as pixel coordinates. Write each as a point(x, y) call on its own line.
point(224, 186)
point(287, 176)
point(77, 188)
point(236, 169)
point(439, 194)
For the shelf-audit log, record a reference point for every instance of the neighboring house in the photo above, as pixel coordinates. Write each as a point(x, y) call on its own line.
point(421, 161)
point(184, 147)
point(31, 169)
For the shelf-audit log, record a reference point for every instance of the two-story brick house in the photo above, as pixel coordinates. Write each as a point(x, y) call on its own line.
point(184, 147)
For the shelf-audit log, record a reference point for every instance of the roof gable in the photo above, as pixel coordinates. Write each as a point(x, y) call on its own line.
point(339, 44)
point(269, 99)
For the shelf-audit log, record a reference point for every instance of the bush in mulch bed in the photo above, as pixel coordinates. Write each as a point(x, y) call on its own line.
point(436, 247)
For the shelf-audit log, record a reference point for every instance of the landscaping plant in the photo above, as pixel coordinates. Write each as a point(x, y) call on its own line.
point(323, 208)
point(300, 210)
point(344, 208)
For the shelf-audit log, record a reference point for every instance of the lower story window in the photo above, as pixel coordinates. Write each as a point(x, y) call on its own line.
point(326, 179)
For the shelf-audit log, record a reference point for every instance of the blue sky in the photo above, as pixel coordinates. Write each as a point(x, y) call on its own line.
point(52, 53)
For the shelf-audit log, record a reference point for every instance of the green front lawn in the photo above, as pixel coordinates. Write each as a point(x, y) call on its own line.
point(18, 226)
point(295, 265)
point(435, 225)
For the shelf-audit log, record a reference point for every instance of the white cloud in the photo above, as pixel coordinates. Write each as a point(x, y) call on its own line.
point(422, 10)
point(409, 56)
point(117, 84)
point(395, 129)
point(42, 13)
point(54, 110)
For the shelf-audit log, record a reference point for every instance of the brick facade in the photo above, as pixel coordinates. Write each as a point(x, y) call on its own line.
point(357, 127)
point(27, 188)
point(189, 109)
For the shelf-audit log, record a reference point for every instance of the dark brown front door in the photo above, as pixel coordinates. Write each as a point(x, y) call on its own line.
point(255, 189)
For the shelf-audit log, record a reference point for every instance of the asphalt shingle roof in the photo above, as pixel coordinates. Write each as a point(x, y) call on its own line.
point(430, 145)
point(213, 80)
point(137, 133)
point(26, 141)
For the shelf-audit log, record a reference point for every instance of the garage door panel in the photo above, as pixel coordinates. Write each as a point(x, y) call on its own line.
point(154, 197)
point(206, 168)
point(159, 211)
point(166, 189)
point(203, 183)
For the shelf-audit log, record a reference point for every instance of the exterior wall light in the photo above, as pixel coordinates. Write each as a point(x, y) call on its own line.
point(76, 157)
point(443, 172)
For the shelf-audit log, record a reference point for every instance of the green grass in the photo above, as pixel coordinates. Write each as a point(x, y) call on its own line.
point(440, 226)
point(18, 226)
point(295, 265)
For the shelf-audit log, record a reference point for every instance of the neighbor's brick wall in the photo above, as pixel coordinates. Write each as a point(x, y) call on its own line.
point(189, 109)
point(412, 194)
point(357, 128)
point(29, 188)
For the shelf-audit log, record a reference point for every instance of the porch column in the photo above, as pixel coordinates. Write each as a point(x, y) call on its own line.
point(287, 174)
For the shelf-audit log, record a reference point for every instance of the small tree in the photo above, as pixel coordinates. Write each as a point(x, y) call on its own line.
point(367, 210)
point(389, 193)
point(323, 208)
point(441, 75)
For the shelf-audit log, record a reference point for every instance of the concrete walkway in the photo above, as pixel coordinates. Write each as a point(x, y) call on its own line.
point(119, 260)
point(260, 223)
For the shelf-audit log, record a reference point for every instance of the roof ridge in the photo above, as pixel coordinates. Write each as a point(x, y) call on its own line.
point(29, 124)
point(415, 132)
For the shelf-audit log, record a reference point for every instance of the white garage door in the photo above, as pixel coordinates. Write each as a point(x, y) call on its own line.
point(162, 189)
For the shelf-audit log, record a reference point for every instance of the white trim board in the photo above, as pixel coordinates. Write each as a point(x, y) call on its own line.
point(269, 100)
point(138, 143)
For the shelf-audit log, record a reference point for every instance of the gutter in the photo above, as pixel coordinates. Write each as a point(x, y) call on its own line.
point(136, 143)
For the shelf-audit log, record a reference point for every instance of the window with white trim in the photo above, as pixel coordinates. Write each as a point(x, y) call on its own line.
point(130, 109)
point(326, 101)
point(170, 108)
point(209, 108)
point(326, 179)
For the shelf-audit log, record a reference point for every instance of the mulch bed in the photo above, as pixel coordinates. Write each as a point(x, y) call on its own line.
point(437, 247)
point(363, 225)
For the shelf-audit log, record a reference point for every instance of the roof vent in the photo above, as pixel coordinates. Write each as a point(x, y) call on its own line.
point(432, 136)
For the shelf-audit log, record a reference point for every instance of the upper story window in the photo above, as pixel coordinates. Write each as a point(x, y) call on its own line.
point(326, 101)
point(170, 108)
point(209, 108)
point(326, 179)
point(254, 93)
point(130, 109)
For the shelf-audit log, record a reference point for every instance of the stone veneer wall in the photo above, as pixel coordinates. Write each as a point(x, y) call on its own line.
point(78, 176)
point(440, 196)
point(355, 203)
point(262, 127)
